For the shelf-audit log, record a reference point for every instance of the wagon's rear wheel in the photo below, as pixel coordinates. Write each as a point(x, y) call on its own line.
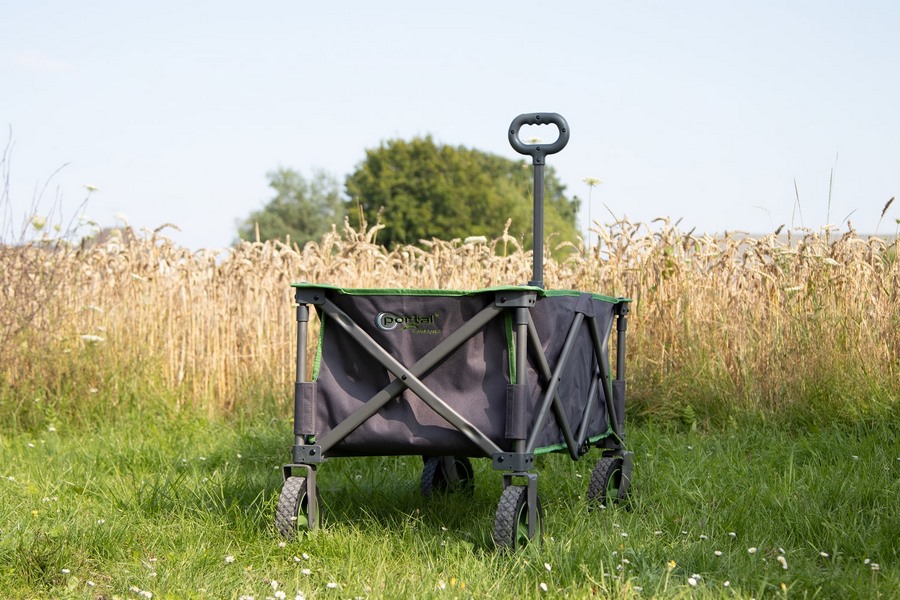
point(292, 514)
point(447, 474)
point(511, 520)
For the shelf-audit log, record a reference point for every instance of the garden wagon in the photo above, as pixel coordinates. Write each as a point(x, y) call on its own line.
point(504, 373)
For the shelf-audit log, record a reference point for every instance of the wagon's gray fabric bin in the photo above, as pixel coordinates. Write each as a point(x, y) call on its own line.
point(477, 379)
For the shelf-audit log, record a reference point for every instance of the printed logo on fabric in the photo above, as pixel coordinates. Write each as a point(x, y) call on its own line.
point(427, 324)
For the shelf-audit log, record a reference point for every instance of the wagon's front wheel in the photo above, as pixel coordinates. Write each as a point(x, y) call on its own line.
point(511, 522)
point(293, 512)
point(447, 474)
point(606, 480)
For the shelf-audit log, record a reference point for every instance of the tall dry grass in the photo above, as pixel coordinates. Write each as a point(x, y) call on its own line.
point(806, 322)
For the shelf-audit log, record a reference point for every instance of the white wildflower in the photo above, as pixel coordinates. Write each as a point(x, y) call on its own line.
point(783, 562)
point(280, 595)
point(65, 571)
point(543, 586)
point(547, 566)
point(331, 585)
point(718, 553)
point(692, 581)
point(305, 571)
point(751, 550)
point(229, 559)
point(876, 567)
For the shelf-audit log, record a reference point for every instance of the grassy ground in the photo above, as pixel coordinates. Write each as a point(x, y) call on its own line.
point(182, 507)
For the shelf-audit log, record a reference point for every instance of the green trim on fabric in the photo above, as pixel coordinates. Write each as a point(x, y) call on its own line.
point(317, 361)
point(604, 298)
point(561, 447)
point(510, 347)
point(414, 291)
point(455, 293)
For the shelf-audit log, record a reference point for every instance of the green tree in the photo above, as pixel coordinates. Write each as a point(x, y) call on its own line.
point(419, 189)
point(303, 209)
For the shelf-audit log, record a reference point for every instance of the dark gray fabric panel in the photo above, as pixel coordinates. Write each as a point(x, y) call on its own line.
point(305, 408)
point(516, 412)
point(473, 380)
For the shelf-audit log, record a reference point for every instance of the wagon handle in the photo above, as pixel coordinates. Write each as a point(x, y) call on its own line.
point(538, 152)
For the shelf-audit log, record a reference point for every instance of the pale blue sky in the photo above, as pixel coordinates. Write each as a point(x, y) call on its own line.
point(706, 111)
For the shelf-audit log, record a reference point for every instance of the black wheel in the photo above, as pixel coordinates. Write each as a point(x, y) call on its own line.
point(292, 512)
point(511, 520)
point(605, 481)
point(447, 474)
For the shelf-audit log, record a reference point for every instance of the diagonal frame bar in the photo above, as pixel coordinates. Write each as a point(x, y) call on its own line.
point(544, 366)
point(550, 397)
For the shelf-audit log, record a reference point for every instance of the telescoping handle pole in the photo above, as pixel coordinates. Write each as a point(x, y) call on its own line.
point(538, 152)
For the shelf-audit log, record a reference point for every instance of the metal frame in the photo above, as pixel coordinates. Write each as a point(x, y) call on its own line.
point(309, 451)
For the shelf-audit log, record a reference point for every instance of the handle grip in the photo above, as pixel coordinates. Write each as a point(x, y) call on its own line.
point(538, 151)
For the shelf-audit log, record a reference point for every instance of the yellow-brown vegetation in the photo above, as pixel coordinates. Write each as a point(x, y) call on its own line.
point(718, 322)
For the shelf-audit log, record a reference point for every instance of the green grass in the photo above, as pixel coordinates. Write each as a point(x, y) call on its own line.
point(155, 502)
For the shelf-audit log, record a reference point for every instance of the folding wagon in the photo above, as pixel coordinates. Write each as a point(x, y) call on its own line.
point(504, 373)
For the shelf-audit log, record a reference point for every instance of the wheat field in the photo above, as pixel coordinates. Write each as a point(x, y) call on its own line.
point(806, 321)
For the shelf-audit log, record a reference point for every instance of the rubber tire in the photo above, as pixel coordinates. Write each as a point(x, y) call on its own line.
point(291, 514)
point(605, 480)
point(511, 520)
point(435, 477)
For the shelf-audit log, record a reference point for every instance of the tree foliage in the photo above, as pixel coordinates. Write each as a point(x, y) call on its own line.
point(419, 190)
point(302, 208)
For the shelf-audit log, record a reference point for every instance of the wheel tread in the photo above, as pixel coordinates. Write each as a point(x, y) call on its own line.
point(288, 505)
